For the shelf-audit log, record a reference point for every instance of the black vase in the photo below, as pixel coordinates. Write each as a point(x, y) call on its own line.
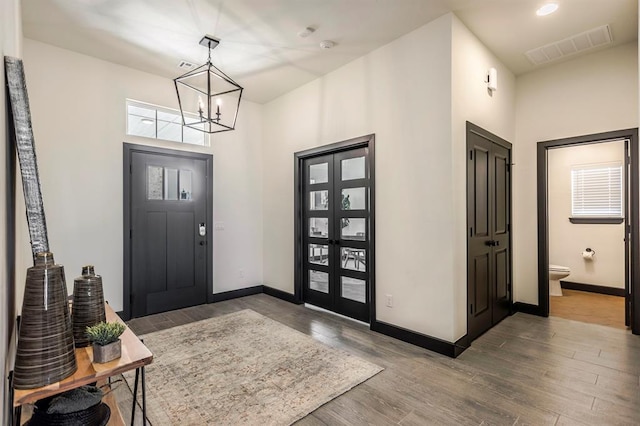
point(45, 352)
point(88, 304)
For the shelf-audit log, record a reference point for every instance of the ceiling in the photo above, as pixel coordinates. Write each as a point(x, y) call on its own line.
point(261, 50)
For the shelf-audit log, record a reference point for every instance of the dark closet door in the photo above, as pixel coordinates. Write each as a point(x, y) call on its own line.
point(336, 232)
point(501, 239)
point(169, 232)
point(488, 242)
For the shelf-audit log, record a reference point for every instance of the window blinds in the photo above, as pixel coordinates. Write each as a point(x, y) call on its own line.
point(596, 191)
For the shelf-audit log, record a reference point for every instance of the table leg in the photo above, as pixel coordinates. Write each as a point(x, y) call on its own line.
point(17, 415)
point(144, 400)
point(17, 411)
point(135, 396)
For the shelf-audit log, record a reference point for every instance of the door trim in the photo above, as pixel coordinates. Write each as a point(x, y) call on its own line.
point(472, 128)
point(543, 219)
point(367, 141)
point(128, 150)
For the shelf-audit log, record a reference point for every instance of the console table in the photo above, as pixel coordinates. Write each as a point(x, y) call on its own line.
point(135, 356)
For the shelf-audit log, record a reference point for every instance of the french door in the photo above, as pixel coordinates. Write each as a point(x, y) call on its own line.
point(336, 232)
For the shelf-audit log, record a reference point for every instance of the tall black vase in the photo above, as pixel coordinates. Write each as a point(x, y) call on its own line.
point(45, 352)
point(88, 304)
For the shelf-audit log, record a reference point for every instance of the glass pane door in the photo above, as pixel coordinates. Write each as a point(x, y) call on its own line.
point(351, 186)
point(336, 236)
point(318, 263)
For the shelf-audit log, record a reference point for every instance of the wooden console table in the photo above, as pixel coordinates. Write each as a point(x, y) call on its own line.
point(135, 355)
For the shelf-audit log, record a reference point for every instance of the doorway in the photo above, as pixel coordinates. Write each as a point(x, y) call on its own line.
point(335, 227)
point(167, 240)
point(631, 219)
point(489, 230)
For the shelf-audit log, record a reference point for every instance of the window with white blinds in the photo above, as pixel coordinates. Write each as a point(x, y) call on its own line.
point(596, 191)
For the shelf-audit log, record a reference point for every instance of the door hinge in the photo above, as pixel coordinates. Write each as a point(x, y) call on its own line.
point(130, 233)
point(471, 155)
point(471, 309)
point(471, 232)
point(508, 227)
point(130, 169)
point(131, 298)
point(508, 167)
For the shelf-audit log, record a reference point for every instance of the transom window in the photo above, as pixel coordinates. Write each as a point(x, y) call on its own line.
point(596, 191)
point(156, 122)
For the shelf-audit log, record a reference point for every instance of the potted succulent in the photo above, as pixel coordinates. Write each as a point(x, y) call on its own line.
point(105, 337)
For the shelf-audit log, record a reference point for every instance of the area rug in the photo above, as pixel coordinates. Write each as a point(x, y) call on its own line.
point(243, 369)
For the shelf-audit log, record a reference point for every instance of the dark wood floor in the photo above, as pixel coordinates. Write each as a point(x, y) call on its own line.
point(526, 370)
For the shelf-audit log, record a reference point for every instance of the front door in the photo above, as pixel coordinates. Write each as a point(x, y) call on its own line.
point(336, 223)
point(169, 231)
point(488, 239)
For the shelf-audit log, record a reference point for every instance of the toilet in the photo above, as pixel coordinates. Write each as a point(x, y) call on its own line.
point(556, 273)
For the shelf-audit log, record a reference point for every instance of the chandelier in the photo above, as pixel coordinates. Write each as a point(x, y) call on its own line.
point(209, 99)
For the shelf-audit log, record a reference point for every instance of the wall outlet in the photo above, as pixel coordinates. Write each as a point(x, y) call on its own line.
point(389, 301)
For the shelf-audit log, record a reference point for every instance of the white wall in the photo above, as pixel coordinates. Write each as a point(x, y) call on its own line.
point(590, 94)
point(567, 240)
point(11, 45)
point(402, 92)
point(78, 113)
point(494, 112)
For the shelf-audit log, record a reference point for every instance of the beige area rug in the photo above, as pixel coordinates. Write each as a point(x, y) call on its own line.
point(243, 369)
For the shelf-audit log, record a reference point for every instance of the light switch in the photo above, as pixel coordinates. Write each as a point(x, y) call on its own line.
point(218, 226)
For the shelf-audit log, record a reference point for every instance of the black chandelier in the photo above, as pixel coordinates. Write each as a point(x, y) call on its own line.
point(213, 95)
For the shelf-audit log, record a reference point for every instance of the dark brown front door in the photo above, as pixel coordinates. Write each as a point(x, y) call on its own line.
point(169, 231)
point(488, 237)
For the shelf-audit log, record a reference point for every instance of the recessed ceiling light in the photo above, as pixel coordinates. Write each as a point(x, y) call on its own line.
point(147, 121)
point(547, 9)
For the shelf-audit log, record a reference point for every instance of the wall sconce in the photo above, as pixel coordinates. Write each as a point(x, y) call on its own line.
point(492, 79)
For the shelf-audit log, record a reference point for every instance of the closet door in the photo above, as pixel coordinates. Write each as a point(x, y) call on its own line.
point(488, 237)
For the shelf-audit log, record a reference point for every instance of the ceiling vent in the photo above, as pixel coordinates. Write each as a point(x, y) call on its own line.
point(578, 43)
point(185, 65)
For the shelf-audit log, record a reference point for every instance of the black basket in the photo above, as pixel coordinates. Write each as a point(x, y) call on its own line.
point(97, 415)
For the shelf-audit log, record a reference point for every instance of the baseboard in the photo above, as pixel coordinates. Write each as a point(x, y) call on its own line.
point(431, 343)
point(461, 345)
point(288, 297)
point(234, 294)
point(528, 309)
point(570, 285)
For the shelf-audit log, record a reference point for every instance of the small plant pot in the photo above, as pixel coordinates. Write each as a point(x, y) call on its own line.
point(106, 353)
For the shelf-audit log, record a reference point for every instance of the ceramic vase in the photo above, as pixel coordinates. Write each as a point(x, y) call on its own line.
point(88, 304)
point(45, 352)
